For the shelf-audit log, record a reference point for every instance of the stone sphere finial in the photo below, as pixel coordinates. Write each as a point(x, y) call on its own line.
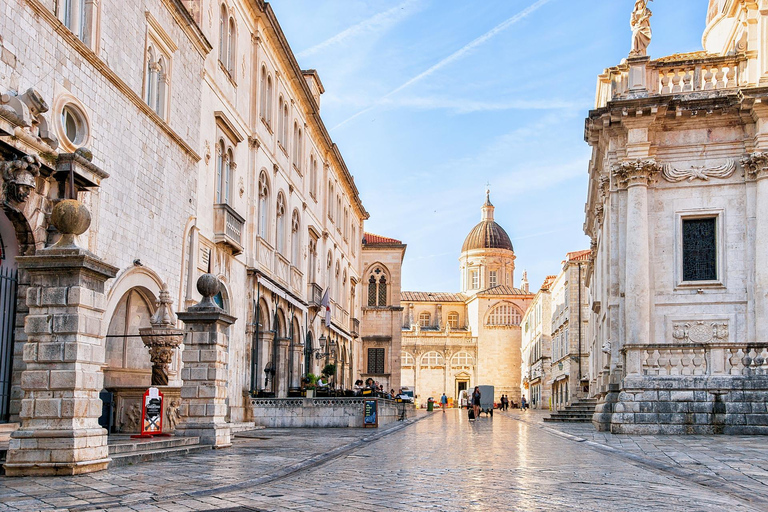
point(208, 285)
point(71, 218)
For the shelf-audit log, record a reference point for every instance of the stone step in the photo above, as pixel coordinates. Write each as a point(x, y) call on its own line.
point(124, 444)
point(125, 459)
point(5, 431)
point(566, 415)
point(569, 420)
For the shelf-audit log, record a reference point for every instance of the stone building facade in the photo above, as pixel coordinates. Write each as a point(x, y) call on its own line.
point(568, 379)
point(380, 330)
point(537, 348)
point(205, 153)
point(454, 341)
point(678, 332)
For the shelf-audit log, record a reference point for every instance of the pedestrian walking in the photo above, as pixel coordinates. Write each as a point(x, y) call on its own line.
point(443, 402)
point(523, 404)
point(476, 401)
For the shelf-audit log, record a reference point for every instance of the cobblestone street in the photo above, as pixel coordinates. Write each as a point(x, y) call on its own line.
point(443, 462)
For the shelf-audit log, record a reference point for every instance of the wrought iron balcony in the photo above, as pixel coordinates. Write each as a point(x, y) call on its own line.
point(314, 295)
point(228, 227)
point(354, 327)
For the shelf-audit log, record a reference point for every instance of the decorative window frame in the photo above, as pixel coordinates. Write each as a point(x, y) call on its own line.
point(159, 39)
point(720, 240)
point(63, 99)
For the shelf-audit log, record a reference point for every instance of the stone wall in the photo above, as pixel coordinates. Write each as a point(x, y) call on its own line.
point(321, 412)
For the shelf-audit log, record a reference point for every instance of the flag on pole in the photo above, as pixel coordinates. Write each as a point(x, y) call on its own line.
point(325, 303)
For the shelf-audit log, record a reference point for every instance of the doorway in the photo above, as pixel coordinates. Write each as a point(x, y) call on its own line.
point(461, 385)
point(8, 285)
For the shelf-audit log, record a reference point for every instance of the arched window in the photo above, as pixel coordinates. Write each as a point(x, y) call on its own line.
point(263, 196)
point(285, 126)
point(296, 144)
point(453, 320)
point(263, 93)
point(313, 175)
point(383, 291)
point(432, 359)
point(407, 359)
point(151, 77)
point(344, 290)
point(280, 122)
point(280, 216)
point(226, 184)
point(505, 315)
point(295, 238)
point(269, 101)
point(223, 38)
point(330, 200)
point(220, 171)
point(162, 85)
point(231, 47)
point(336, 283)
point(462, 359)
point(377, 288)
point(424, 319)
point(312, 260)
point(346, 224)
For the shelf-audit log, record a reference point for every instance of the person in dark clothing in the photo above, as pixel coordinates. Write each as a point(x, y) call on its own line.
point(476, 401)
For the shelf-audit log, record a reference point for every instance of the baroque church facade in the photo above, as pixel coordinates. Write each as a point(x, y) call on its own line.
point(454, 341)
point(676, 210)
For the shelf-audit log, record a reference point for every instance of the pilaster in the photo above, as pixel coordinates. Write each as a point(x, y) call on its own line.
point(756, 167)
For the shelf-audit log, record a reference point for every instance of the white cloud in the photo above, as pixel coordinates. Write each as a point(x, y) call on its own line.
point(378, 23)
point(458, 54)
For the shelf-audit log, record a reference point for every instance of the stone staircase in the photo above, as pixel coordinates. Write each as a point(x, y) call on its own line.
point(124, 451)
point(579, 411)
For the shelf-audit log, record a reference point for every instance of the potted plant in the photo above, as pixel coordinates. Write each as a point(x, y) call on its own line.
point(310, 383)
point(329, 370)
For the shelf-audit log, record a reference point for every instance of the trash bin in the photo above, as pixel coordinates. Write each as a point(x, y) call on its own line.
point(430, 405)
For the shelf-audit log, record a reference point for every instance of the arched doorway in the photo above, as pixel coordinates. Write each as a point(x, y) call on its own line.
point(127, 358)
point(9, 249)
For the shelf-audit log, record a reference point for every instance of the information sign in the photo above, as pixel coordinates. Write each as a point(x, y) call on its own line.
point(151, 413)
point(371, 413)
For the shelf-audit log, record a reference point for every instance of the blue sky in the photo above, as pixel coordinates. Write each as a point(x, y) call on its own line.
point(430, 99)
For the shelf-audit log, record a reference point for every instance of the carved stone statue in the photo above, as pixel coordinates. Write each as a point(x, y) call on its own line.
point(640, 21)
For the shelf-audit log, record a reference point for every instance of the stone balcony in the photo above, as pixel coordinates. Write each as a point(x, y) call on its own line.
point(696, 72)
point(314, 295)
point(228, 227)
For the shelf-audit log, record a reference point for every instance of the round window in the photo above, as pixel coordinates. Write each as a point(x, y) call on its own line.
point(73, 122)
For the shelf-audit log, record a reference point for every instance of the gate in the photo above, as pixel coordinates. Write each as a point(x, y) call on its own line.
point(8, 281)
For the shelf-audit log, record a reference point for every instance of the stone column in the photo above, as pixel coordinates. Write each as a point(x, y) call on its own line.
point(756, 166)
point(204, 376)
point(636, 176)
point(64, 354)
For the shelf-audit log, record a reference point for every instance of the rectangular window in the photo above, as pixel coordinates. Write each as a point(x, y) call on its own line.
point(493, 278)
point(376, 361)
point(700, 249)
point(475, 275)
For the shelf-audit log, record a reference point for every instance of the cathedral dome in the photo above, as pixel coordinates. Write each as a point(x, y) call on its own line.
point(487, 234)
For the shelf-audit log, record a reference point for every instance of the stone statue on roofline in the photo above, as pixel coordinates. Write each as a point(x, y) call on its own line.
point(640, 21)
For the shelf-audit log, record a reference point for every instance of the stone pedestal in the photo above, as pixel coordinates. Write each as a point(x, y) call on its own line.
point(204, 375)
point(638, 76)
point(64, 354)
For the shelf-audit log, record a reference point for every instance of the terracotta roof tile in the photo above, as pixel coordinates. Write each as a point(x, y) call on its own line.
point(503, 290)
point(548, 282)
point(579, 255)
point(371, 239)
point(432, 297)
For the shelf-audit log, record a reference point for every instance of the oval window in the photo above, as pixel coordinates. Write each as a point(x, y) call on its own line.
point(73, 122)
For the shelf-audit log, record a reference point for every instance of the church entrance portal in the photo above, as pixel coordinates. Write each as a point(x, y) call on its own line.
point(461, 385)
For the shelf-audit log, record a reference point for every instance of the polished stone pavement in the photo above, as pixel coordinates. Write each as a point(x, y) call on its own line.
point(440, 462)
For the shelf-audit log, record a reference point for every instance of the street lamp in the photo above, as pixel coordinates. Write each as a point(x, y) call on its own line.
point(324, 352)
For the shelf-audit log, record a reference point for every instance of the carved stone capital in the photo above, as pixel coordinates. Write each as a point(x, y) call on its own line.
point(756, 165)
point(636, 172)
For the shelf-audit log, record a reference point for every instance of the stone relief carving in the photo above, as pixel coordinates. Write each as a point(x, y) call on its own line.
point(640, 21)
point(173, 414)
point(700, 331)
point(696, 172)
point(755, 164)
point(132, 417)
point(19, 178)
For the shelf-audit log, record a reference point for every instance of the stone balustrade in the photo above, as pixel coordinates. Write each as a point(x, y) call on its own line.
point(675, 75)
point(715, 359)
point(321, 412)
